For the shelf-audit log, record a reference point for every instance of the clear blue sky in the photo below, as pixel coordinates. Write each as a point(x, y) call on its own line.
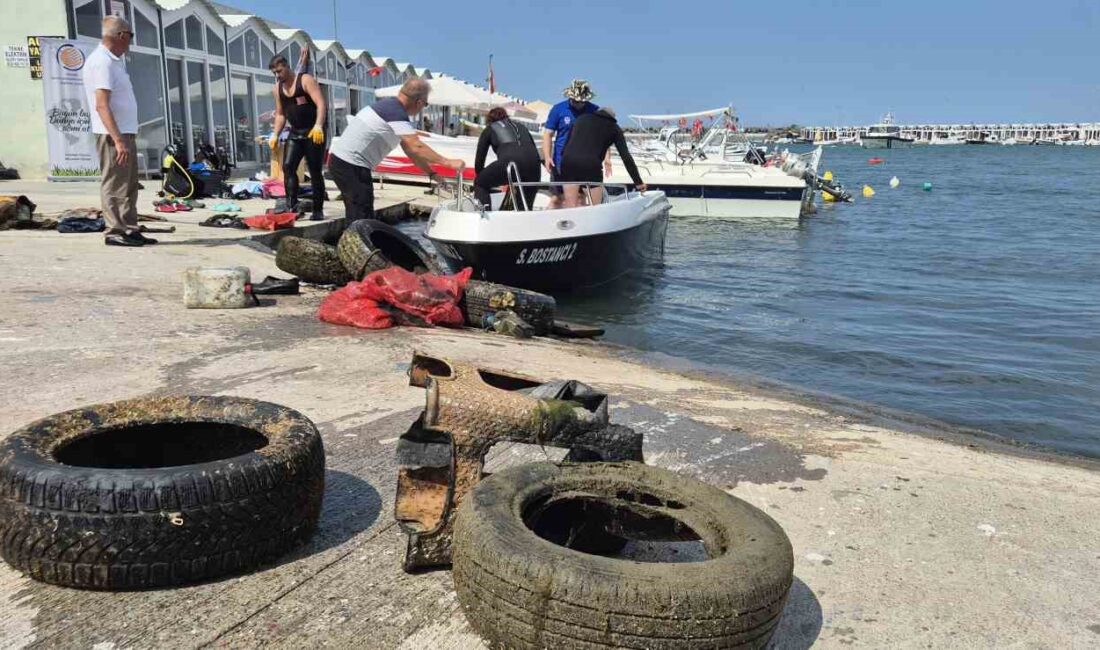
point(778, 62)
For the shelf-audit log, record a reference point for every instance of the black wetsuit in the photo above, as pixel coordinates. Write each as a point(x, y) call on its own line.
point(512, 143)
point(592, 135)
point(301, 115)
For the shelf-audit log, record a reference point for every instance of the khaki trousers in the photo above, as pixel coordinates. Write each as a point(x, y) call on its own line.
point(119, 188)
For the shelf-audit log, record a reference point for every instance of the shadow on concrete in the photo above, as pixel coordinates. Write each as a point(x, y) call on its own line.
point(801, 622)
point(351, 506)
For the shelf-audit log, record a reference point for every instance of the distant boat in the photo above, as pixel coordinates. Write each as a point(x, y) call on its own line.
point(946, 140)
point(983, 138)
point(885, 135)
point(1009, 141)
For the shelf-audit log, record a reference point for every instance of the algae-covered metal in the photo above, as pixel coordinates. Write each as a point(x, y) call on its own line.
point(468, 410)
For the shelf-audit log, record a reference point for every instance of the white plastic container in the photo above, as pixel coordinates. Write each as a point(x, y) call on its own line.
point(215, 288)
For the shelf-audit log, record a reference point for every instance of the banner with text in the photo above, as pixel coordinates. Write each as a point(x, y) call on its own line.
point(69, 136)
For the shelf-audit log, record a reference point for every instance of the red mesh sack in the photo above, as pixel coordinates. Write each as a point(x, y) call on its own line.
point(271, 221)
point(433, 298)
point(348, 306)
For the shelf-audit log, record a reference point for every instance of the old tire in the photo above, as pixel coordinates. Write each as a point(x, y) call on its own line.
point(310, 260)
point(369, 245)
point(481, 298)
point(158, 492)
point(520, 590)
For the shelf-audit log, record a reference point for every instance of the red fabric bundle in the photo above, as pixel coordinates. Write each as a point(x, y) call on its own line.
point(271, 221)
point(348, 306)
point(432, 298)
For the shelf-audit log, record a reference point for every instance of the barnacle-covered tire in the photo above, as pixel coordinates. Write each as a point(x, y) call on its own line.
point(481, 298)
point(369, 245)
point(519, 589)
point(310, 260)
point(158, 492)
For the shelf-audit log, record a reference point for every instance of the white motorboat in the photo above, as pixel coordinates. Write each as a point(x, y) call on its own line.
point(718, 173)
point(553, 250)
point(885, 135)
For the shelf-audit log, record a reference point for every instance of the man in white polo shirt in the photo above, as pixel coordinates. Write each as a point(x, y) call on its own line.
point(115, 124)
point(371, 135)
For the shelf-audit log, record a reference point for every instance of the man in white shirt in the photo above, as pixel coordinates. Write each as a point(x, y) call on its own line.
point(115, 125)
point(371, 135)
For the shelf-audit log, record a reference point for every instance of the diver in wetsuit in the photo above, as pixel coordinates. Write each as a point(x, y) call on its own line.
point(589, 141)
point(299, 101)
point(512, 143)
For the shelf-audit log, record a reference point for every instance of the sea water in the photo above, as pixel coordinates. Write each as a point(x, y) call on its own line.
point(976, 303)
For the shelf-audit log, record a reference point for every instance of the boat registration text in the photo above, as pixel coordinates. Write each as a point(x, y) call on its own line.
point(545, 255)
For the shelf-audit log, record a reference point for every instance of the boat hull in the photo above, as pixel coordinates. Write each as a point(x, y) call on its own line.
point(870, 142)
point(561, 262)
point(732, 202)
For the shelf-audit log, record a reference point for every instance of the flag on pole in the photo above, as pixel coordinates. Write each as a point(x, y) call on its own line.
point(492, 79)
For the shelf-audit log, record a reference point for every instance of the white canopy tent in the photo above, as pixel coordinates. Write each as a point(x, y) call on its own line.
point(446, 91)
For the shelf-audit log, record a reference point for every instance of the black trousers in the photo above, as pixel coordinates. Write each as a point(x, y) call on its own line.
point(356, 187)
point(299, 146)
point(496, 174)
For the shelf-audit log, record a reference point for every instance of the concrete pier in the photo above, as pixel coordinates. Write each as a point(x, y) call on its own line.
point(901, 538)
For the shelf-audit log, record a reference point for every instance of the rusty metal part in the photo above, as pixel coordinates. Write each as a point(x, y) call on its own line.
point(468, 410)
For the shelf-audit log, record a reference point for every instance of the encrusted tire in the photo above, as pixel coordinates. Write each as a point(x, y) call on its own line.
point(310, 260)
point(158, 492)
point(520, 590)
point(369, 245)
point(481, 298)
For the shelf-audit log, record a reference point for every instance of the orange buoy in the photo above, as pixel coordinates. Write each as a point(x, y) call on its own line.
point(876, 161)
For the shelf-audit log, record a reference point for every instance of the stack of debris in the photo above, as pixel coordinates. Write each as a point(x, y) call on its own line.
point(369, 250)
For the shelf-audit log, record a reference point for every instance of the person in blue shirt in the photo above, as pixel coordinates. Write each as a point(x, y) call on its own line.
point(559, 123)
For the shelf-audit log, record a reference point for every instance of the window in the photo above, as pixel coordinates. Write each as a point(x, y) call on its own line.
point(146, 31)
point(266, 54)
point(196, 95)
point(242, 113)
point(145, 71)
point(194, 33)
point(173, 35)
point(236, 50)
point(88, 20)
point(214, 44)
point(330, 65)
point(339, 109)
point(321, 68)
point(295, 52)
point(175, 103)
point(219, 102)
point(252, 50)
point(265, 107)
point(341, 72)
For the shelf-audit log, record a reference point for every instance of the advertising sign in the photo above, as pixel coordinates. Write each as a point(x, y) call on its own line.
point(69, 139)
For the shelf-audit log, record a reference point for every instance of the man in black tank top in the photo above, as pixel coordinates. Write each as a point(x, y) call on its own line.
point(300, 103)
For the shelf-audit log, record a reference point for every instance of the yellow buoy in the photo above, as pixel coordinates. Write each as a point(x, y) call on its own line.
point(868, 192)
point(828, 198)
point(828, 176)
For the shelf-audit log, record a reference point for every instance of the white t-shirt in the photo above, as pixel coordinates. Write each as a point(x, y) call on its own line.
point(372, 133)
point(106, 71)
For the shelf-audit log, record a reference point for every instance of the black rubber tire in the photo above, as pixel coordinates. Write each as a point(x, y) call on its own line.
point(368, 245)
point(310, 260)
point(519, 590)
point(101, 521)
point(481, 298)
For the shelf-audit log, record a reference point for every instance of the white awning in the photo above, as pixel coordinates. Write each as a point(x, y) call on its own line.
point(445, 92)
point(677, 116)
